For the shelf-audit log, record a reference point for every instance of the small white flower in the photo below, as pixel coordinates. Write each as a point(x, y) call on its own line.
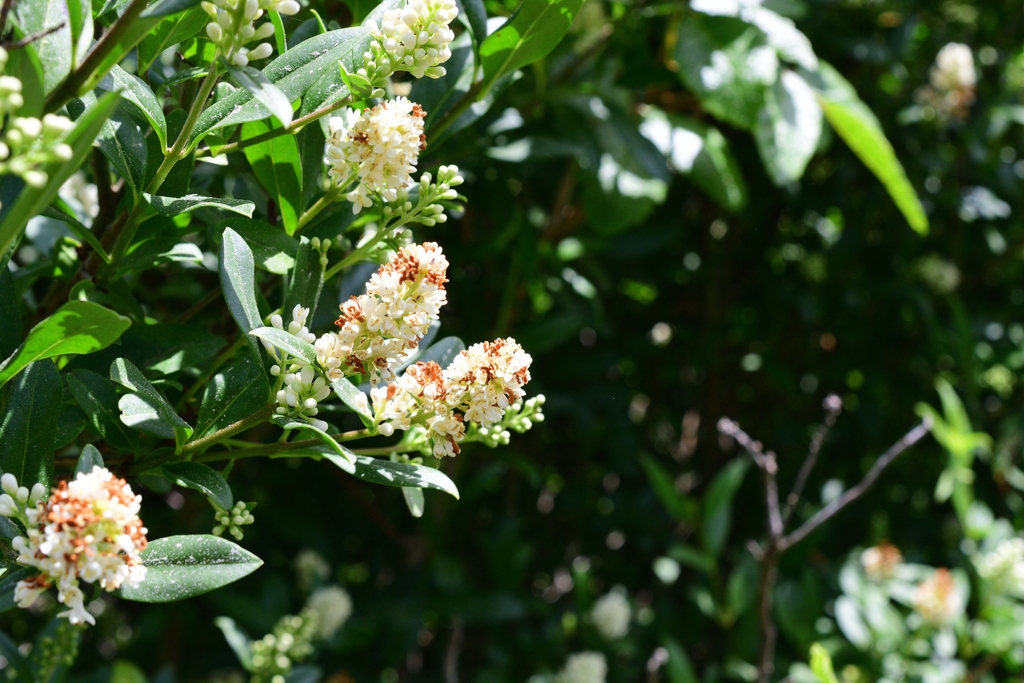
point(311, 568)
point(378, 147)
point(881, 561)
point(485, 379)
point(611, 614)
point(416, 38)
point(584, 667)
point(936, 598)
point(331, 607)
point(1004, 566)
point(954, 69)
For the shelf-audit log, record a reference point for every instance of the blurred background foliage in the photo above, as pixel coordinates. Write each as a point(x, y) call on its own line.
point(654, 302)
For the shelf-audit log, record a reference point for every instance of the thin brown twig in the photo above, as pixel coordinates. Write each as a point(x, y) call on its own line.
point(33, 37)
point(833, 406)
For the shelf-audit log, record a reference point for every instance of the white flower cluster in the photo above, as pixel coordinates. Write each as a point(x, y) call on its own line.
point(954, 69)
point(311, 569)
point(611, 614)
point(584, 667)
point(233, 27)
point(415, 38)
point(881, 561)
point(330, 607)
point(28, 143)
point(274, 654)
point(381, 328)
point(378, 147)
point(936, 598)
point(301, 388)
point(234, 519)
point(1004, 566)
point(87, 530)
point(478, 386)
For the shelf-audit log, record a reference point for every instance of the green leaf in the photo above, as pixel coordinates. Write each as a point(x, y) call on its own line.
point(821, 664)
point(146, 409)
point(10, 331)
point(157, 251)
point(25, 65)
point(170, 32)
point(9, 581)
point(717, 507)
point(29, 424)
point(173, 206)
point(54, 49)
point(263, 91)
point(387, 473)
point(308, 280)
point(442, 352)
point(202, 478)
point(238, 640)
point(350, 396)
point(277, 166)
point(289, 423)
point(272, 250)
point(678, 668)
point(89, 457)
point(122, 671)
point(287, 342)
point(237, 279)
point(232, 395)
point(857, 125)
point(69, 425)
point(77, 327)
point(475, 15)
point(124, 144)
point(413, 500)
point(96, 396)
point(31, 201)
point(180, 567)
point(81, 23)
point(61, 212)
point(135, 91)
point(533, 30)
point(665, 488)
point(788, 128)
point(16, 660)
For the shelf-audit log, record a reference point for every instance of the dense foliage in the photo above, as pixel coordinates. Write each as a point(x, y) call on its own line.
point(797, 215)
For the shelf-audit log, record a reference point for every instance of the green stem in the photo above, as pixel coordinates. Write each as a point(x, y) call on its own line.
point(256, 418)
point(86, 70)
point(295, 127)
point(275, 448)
point(309, 214)
point(384, 450)
point(171, 157)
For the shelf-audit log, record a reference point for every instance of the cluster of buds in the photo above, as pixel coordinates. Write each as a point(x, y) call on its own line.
point(87, 530)
point(377, 148)
point(611, 614)
point(381, 328)
point(427, 209)
point(416, 38)
point(330, 607)
point(300, 387)
point(519, 417)
point(11, 99)
point(881, 562)
point(1004, 566)
point(234, 519)
point(936, 598)
point(952, 82)
point(291, 642)
point(478, 387)
point(233, 26)
point(584, 667)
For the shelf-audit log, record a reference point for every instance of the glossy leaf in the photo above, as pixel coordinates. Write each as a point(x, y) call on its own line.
point(272, 250)
point(287, 342)
point(54, 49)
point(307, 281)
point(124, 144)
point(289, 423)
point(77, 327)
point(387, 473)
point(202, 478)
point(69, 425)
point(170, 32)
point(98, 400)
point(264, 92)
point(350, 396)
point(14, 214)
point(857, 125)
point(173, 206)
point(181, 567)
point(29, 424)
point(81, 22)
point(232, 395)
point(533, 30)
point(414, 500)
point(717, 508)
point(237, 274)
point(788, 128)
point(9, 581)
point(238, 640)
point(136, 92)
point(89, 457)
point(277, 166)
point(164, 422)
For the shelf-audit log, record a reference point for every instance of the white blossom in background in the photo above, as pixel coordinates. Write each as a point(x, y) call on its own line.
point(378, 148)
point(981, 202)
point(232, 27)
point(87, 530)
point(381, 328)
point(415, 38)
point(881, 561)
point(81, 194)
point(611, 614)
point(1004, 566)
point(584, 667)
point(936, 598)
point(330, 608)
point(485, 379)
point(954, 69)
point(311, 568)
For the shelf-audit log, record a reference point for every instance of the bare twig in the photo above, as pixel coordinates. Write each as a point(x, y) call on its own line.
point(833, 406)
point(855, 492)
point(33, 37)
point(754, 448)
